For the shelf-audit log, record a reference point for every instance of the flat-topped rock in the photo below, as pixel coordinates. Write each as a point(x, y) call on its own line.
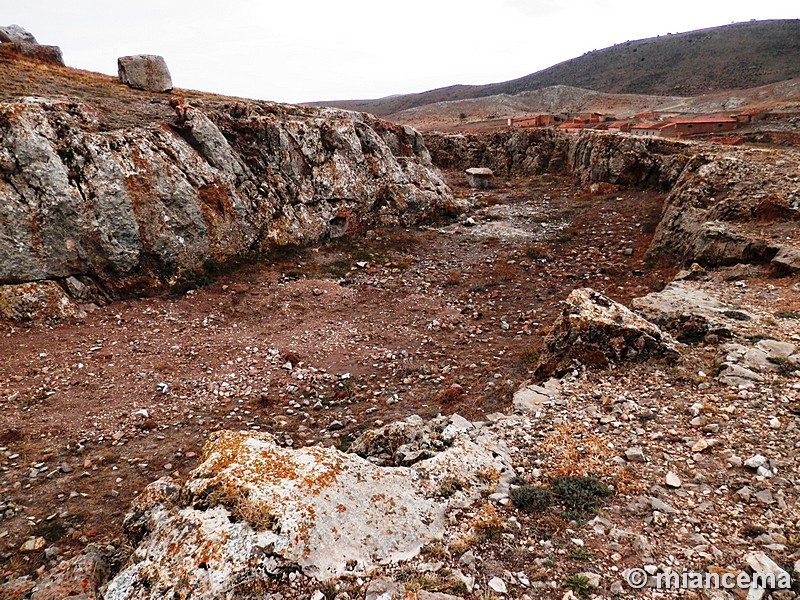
point(145, 72)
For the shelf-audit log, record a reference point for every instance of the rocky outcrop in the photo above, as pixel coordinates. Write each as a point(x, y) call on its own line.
point(254, 509)
point(125, 211)
point(733, 207)
point(591, 156)
point(725, 205)
point(16, 39)
point(595, 330)
point(145, 72)
point(690, 312)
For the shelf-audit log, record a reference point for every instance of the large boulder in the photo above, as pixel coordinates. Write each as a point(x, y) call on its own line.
point(254, 509)
point(14, 34)
point(595, 330)
point(690, 312)
point(145, 72)
point(21, 41)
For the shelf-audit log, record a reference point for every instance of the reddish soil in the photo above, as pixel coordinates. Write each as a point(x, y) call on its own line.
point(95, 408)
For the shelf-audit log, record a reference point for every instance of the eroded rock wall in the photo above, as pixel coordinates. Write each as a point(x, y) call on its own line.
point(591, 156)
point(724, 205)
point(132, 209)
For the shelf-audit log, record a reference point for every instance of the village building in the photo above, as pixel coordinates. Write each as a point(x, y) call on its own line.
point(677, 128)
point(535, 120)
point(573, 126)
point(618, 127)
point(652, 129)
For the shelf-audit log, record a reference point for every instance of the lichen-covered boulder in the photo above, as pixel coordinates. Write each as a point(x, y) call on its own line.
point(253, 509)
point(595, 330)
point(145, 72)
point(35, 301)
point(79, 578)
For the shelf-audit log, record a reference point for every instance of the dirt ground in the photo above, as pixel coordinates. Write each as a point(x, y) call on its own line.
point(312, 345)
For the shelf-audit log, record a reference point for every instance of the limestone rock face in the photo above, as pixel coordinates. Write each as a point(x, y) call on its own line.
point(145, 72)
point(732, 208)
point(725, 205)
point(253, 508)
point(133, 209)
point(595, 330)
point(591, 156)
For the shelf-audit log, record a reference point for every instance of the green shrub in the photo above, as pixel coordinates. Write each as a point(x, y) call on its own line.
point(531, 498)
point(580, 493)
point(579, 584)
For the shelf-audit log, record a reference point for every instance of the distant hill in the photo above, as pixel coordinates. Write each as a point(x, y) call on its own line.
point(742, 55)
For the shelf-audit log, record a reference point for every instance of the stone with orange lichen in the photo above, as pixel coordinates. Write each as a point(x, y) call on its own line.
point(253, 506)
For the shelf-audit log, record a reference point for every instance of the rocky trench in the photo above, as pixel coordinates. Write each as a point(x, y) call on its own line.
point(89, 215)
point(724, 206)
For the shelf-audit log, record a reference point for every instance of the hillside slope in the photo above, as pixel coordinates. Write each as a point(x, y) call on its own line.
point(734, 56)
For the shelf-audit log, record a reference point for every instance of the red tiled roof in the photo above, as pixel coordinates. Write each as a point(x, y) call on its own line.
point(703, 120)
point(649, 125)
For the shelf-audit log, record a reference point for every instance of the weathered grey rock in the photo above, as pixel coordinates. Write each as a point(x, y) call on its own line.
point(530, 397)
point(409, 440)
point(479, 177)
point(787, 259)
point(145, 72)
point(661, 506)
point(635, 454)
point(79, 578)
point(710, 211)
point(737, 376)
point(688, 311)
point(761, 563)
point(21, 41)
point(14, 34)
point(252, 508)
point(136, 209)
point(595, 330)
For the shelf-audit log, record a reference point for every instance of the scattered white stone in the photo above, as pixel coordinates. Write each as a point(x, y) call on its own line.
point(498, 585)
point(593, 578)
point(756, 461)
point(672, 480)
point(635, 454)
point(775, 423)
point(33, 544)
point(761, 563)
point(765, 497)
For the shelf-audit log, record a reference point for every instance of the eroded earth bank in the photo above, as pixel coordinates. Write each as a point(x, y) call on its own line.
point(256, 351)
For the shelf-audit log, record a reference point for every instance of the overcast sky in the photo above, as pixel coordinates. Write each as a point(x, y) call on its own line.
point(303, 50)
